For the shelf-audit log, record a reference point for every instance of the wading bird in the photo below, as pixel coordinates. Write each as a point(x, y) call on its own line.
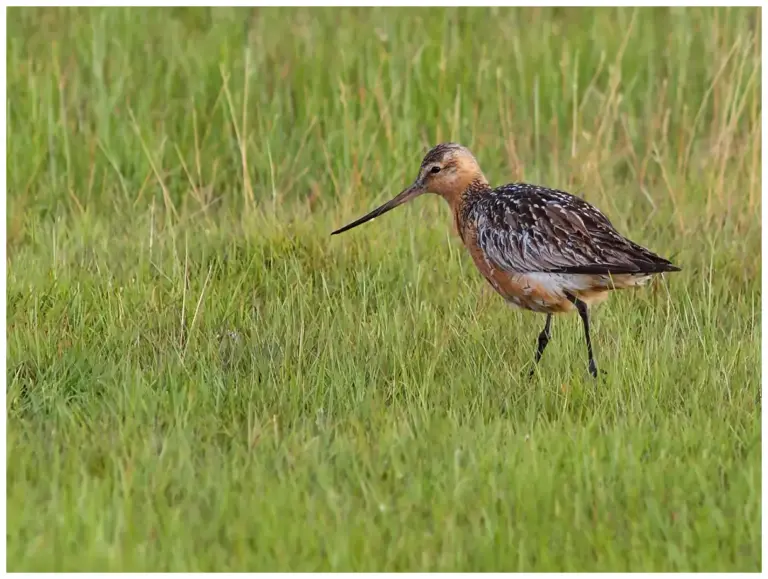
point(541, 249)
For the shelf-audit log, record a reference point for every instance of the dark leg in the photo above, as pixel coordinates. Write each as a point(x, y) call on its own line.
point(581, 307)
point(544, 337)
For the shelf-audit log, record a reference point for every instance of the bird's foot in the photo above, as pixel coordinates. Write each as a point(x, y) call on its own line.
point(594, 370)
point(534, 369)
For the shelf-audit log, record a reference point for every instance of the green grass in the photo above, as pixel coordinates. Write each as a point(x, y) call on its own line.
point(201, 378)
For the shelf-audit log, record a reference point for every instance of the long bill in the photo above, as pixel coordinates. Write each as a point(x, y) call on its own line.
point(407, 194)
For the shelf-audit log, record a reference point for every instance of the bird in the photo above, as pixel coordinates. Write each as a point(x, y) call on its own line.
point(541, 249)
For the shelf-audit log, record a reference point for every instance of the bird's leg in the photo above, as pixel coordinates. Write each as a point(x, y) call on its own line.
point(544, 337)
point(581, 307)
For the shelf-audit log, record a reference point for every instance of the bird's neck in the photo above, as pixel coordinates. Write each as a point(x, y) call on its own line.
point(476, 188)
point(463, 202)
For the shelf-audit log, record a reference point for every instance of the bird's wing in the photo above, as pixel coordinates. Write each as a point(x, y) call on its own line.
point(524, 228)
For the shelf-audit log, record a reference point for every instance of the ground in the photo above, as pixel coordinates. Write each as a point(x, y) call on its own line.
point(200, 378)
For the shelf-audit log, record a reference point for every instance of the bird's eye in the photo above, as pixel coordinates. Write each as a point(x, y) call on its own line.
point(435, 169)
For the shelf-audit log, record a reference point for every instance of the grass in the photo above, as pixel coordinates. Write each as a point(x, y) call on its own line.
point(200, 378)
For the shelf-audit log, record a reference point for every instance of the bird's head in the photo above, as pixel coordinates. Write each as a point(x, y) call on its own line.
point(447, 170)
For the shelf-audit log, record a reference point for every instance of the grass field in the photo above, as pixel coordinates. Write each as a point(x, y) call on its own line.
point(200, 378)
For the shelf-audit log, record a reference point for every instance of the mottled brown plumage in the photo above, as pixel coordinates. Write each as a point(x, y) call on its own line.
point(541, 249)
